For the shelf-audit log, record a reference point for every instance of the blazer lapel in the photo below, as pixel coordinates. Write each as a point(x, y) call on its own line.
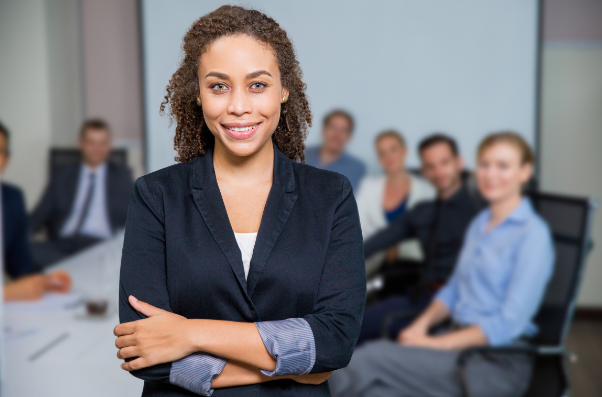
point(280, 202)
point(208, 200)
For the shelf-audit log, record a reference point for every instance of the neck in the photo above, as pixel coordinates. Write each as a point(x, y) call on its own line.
point(449, 191)
point(502, 208)
point(92, 166)
point(329, 155)
point(397, 177)
point(244, 170)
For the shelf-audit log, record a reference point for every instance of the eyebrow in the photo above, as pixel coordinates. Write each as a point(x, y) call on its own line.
point(249, 76)
point(257, 74)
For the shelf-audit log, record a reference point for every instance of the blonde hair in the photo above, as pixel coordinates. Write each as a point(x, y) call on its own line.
point(390, 133)
point(511, 138)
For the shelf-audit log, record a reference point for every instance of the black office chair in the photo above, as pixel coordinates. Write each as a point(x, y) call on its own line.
point(60, 157)
point(570, 220)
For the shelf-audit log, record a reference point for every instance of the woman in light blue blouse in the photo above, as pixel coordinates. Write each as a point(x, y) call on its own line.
point(491, 299)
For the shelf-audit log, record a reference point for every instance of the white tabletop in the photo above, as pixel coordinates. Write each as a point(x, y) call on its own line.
point(82, 362)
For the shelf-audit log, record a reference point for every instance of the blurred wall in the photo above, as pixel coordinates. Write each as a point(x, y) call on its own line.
point(64, 70)
point(112, 71)
point(25, 92)
point(571, 136)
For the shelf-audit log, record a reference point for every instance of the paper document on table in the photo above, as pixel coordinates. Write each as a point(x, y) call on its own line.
point(50, 303)
point(16, 332)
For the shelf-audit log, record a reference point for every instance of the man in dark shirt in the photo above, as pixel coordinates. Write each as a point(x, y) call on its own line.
point(438, 225)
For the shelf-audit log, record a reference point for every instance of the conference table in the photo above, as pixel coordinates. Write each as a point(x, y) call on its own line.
point(54, 347)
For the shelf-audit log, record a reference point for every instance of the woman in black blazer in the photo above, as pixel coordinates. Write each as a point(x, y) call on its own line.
point(242, 270)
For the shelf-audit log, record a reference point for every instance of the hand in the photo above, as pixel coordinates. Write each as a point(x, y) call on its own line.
point(58, 281)
point(423, 341)
point(415, 331)
point(311, 379)
point(162, 337)
point(27, 288)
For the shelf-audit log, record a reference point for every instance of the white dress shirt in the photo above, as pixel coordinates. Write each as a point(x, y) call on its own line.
point(372, 214)
point(96, 223)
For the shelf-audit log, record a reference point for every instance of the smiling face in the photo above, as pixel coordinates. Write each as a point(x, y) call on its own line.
point(241, 93)
point(441, 166)
point(336, 132)
point(391, 154)
point(501, 172)
point(95, 146)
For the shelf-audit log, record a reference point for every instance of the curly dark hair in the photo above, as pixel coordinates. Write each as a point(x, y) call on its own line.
point(193, 137)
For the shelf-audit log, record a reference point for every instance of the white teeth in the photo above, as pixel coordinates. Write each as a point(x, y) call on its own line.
point(243, 129)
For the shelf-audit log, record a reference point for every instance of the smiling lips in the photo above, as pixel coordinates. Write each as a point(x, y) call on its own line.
point(242, 130)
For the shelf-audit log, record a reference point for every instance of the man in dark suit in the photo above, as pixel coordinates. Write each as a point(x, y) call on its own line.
point(85, 202)
point(22, 281)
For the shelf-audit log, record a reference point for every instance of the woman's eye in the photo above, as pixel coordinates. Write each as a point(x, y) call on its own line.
point(219, 86)
point(257, 86)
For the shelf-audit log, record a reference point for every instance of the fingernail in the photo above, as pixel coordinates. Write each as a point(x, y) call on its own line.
point(133, 298)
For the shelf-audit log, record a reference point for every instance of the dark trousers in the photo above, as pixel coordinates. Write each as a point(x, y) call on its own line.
point(47, 253)
point(375, 314)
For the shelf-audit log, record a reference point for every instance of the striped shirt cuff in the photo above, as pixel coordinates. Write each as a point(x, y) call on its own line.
point(196, 372)
point(291, 342)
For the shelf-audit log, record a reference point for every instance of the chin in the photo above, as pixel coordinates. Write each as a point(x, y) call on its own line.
point(242, 148)
point(493, 196)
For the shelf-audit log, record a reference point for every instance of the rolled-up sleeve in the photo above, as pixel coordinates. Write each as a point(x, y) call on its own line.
point(339, 303)
point(291, 342)
point(196, 372)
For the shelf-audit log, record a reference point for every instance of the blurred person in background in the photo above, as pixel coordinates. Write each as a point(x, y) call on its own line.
point(383, 199)
point(85, 202)
point(439, 225)
point(491, 299)
point(22, 281)
point(337, 131)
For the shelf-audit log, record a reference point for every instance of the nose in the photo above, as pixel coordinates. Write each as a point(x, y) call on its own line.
point(240, 103)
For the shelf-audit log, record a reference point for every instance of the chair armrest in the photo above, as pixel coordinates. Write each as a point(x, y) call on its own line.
point(391, 318)
point(466, 354)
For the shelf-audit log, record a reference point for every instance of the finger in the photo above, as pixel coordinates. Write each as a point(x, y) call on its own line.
point(124, 329)
point(134, 364)
point(128, 352)
point(145, 308)
point(125, 341)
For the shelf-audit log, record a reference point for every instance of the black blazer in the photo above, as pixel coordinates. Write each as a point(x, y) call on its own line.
point(17, 257)
point(56, 204)
point(180, 254)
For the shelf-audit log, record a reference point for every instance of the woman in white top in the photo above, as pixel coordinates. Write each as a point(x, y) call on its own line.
point(382, 199)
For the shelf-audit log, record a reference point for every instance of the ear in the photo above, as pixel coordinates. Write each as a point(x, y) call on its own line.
point(285, 93)
point(460, 161)
point(526, 172)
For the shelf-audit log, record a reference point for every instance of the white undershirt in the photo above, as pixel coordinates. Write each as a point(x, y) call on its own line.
point(246, 243)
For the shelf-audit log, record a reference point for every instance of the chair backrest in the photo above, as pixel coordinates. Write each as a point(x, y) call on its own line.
point(60, 157)
point(570, 221)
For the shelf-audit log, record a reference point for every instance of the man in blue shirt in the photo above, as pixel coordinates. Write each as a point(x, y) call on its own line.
point(337, 131)
point(85, 202)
